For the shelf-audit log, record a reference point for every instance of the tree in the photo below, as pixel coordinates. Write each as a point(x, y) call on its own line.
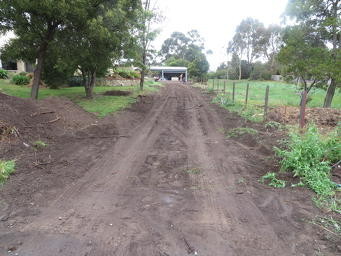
point(187, 50)
point(246, 42)
point(102, 40)
point(304, 56)
point(323, 17)
point(147, 35)
point(36, 23)
point(270, 44)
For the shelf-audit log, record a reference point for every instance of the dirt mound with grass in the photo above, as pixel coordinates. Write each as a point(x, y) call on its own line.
point(117, 93)
point(322, 117)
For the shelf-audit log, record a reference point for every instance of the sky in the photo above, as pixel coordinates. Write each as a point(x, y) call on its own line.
point(216, 20)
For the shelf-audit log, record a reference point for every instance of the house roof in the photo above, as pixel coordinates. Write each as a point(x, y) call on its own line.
point(168, 69)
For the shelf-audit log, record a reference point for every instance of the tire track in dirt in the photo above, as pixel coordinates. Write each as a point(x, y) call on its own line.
point(174, 187)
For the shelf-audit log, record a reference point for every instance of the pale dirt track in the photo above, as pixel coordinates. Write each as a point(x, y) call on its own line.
point(176, 186)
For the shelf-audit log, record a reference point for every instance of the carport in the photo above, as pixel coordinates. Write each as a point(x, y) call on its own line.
point(166, 73)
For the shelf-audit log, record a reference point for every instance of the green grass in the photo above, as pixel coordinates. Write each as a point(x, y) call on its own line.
point(240, 131)
point(280, 93)
point(39, 144)
point(6, 168)
point(101, 105)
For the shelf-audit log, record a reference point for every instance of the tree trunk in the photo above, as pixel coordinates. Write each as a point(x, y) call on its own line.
point(90, 84)
point(142, 79)
point(51, 29)
point(331, 88)
point(330, 94)
point(37, 72)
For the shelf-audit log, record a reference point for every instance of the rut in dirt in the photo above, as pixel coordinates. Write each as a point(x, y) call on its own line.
point(175, 186)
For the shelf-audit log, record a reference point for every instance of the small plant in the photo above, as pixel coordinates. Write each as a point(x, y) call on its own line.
point(3, 74)
point(273, 181)
point(273, 125)
point(193, 171)
point(21, 80)
point(6, 169)
point(39, 144)
point(240, 131)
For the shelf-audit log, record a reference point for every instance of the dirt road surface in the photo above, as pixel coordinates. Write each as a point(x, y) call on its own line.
point(174, 186)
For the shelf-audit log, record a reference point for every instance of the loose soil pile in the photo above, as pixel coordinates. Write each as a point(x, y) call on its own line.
point(322, 117)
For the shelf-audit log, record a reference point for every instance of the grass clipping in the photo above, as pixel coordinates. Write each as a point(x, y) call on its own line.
point(310, 157)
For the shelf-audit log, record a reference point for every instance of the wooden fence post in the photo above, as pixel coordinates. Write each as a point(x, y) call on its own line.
point(302, 109)
point(233, 90)
point(224, 86)
point(266, 105)
point(247, 93)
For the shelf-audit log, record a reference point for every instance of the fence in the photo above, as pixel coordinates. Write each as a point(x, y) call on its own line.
point(256, 96)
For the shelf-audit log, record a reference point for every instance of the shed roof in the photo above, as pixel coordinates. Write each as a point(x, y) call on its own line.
point(169, 69)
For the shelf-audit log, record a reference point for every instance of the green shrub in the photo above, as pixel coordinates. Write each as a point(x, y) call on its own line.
point(21, 80)
point(23, 73)
point(273, 181)
point(3, 74)
point(6, 168)
point(309, 157)
point(128, 74)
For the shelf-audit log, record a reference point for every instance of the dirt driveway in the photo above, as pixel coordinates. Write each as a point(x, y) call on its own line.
point(175, 186)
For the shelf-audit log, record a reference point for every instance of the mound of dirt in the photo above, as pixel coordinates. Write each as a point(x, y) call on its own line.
point(323, 117)
point(71, 115)
point(117, 93)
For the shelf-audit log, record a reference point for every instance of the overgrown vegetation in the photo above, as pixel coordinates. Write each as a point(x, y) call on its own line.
point(21, 80)
point(240, 131)
point(3, 74)
point(273, 181)
point(6, 169)
point(310, 157)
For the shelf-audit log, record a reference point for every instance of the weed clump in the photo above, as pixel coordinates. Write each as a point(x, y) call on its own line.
point(310, 156)
point(6, 169)
point(240, 131)
point(273, 181)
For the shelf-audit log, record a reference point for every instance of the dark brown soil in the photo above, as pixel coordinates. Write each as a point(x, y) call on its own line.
point(160, 178)
point(322, 117)
point(117, 93)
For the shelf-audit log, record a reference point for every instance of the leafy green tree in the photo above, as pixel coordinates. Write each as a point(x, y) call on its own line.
point(187, 50)
point(36, 24)
point(148, 16)
point(304, 56)
point(324, 18)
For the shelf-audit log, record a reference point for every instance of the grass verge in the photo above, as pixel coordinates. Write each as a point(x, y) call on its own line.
point(101, 105)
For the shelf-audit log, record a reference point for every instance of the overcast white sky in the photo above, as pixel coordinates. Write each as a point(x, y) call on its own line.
point(216, 20)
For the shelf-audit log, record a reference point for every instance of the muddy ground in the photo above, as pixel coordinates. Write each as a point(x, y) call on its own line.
point(160, 178)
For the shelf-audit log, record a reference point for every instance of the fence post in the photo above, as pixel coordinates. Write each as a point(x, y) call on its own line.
point(247, 93)
point(266, 105)
point(213, 84)
point(302, 109)
point(224, 86)
point(233, 90)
